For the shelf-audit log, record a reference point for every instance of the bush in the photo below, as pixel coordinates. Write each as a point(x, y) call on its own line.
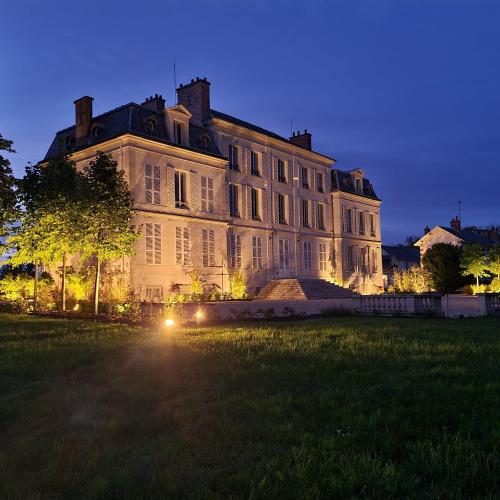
point(413, 280)
point(237, 286)
point(442, 262)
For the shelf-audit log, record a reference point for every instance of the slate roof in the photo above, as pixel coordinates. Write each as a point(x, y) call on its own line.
point(403, 253)
point(342, 181)
point(469, 236)
point(260, 130)
point(129, 118)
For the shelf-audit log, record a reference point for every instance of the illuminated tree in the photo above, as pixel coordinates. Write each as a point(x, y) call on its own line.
point(494, 266)
point(8, 198)
point(473, 261)
point(51, 195)
point(106, 233)
point(442, 262)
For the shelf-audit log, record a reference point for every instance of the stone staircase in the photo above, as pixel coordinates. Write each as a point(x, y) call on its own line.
point(302, 289)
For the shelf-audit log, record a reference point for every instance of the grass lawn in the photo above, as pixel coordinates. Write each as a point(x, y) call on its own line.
point(337, 407)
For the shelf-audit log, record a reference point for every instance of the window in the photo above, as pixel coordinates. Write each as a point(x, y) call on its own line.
point(208, 238)
point(321, 216)
point(319, 182)
point(347, 220)
point(152, 184)
point(256, 252)
point(233, 157)
point(281, 209)
point(153, 243)
point(255, 204)
point(281, 171)
point(361, 222)
point(180, 189)
point(305, 213)
point(178, 132)
point(372, 225)
point(322, 257)
point(305, 177)
point(233, 200)
point(364, 259)
point(154, 293)
point(359, 185)
point(307, 255)
point(284, 253)
point(182, 245)
point(254, 163)
point(207, 194)
point(350, 258)
point(236, 251)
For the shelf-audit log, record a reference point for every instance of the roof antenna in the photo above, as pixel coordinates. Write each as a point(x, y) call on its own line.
point(175, 84)
point(459, 210)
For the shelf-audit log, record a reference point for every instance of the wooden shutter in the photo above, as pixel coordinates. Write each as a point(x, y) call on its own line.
point(149, 243)
point(291, 215)
point(289, 171)
point(194, 190)
point(263, 165)
point(263, 204)
point(227, 208)
point(243, 202)
point(178, 246)
point(204, 193)
point(276, 210)
point(314, 218)
point(211, 246)
point(186, 239)
point(156, 184)
point(148, 183)
point(275, 168)
point(245, 163)
point(170, 187)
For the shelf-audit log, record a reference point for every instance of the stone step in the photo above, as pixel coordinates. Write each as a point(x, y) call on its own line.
point(302, 289)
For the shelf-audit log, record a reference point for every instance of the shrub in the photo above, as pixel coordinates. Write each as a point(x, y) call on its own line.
point(413, 280)
point(237, 286)
point(442, 262)
point(197, 282)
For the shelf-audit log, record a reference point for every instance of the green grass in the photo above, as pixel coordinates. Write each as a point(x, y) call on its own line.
point(341, 407)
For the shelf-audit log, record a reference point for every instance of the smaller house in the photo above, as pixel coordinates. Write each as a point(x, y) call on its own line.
point(453, 235)
point(397, 257)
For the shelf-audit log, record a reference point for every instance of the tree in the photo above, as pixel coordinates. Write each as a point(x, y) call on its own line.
point(494, 266)
point(106, 232)
point(473, 261)
point(442, 262)
point(413, 280)
point(51, 195)
point(8, 197)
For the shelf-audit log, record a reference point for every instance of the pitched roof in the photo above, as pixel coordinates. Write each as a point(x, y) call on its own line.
point(469, 236)
point(403, 253)
point(129, 118)
point(260, 130)
point(342, 181)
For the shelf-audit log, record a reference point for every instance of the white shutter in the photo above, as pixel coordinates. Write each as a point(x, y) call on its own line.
point(291, 215)
point(245, 163)
point(211, 245)
point(149, 243)
point(186, 244)
point(276, 211)
point(210, 194)
point(194, 190)
point(170, 187)
point(226, 197)
point(178, 246)
point(156, 185)
point(204, 193)
point(148, 183)
point(263, 204)
point(243, 202)
point(289, 172)
point(314, 209)
point(275, 168)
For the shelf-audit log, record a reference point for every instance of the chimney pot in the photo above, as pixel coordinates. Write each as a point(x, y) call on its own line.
point(83, 119)
point(196, 98)
point(426, 229)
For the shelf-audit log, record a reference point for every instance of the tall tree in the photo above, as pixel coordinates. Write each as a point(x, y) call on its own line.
point(8, 198)
point(106, 230)
point(473, 261)
point(51, 195)
point(494, 264)
point(442, 262)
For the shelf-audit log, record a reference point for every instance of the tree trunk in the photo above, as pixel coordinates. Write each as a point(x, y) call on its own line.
point(35, 293)
point(477, 280)
point(63, 283)
point(96, 287)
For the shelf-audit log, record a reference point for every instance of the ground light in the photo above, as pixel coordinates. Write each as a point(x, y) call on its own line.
point(169, 322)
point(198, 316)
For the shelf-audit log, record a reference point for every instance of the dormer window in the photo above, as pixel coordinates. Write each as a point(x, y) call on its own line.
point(97, 131)
point(150, 127)
point(359, 185)
point(233, 157)
point(178, 132)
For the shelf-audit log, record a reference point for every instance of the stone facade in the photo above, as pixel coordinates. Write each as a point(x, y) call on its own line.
point(216, 194)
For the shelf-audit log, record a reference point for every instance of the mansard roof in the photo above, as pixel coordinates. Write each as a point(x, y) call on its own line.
point(130, 118)
point(260, 130)
point(469, 236)
point(342, 181)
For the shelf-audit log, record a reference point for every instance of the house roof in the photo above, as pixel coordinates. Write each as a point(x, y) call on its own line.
point(469, 236)
point(129, 118)
point(260, 130)
point(342, 181)
point(403, 253)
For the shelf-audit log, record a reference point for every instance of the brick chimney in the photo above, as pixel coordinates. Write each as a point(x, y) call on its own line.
point(155, 103)
point(455, 223)
point(303, 140)
point(83, 119)
point(195, 96)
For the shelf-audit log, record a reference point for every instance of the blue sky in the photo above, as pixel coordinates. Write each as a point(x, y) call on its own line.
point(407, 90)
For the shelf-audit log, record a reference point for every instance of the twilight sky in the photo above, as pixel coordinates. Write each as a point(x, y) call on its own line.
point(408, 90)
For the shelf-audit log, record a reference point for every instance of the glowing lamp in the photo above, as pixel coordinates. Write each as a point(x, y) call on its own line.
point(169, 322)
